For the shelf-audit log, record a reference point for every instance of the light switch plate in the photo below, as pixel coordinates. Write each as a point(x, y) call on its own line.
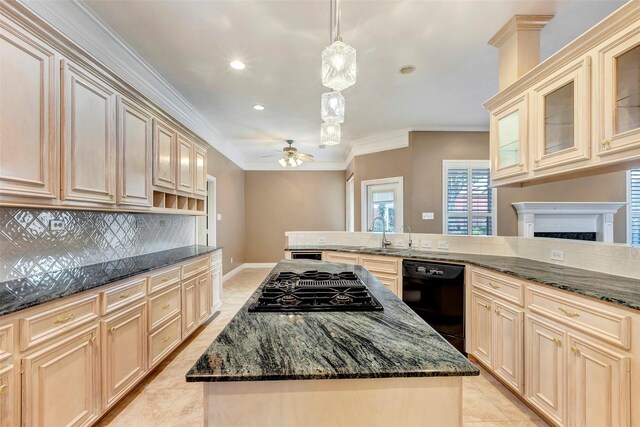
point(56, 225)
point(425, 244)
point(557, 255)
point(443, 244)
point(322, 240)
point(427, 215)
point(219, 217)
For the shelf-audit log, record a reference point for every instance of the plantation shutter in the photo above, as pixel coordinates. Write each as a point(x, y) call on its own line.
point(634, 204)
point(469, 207)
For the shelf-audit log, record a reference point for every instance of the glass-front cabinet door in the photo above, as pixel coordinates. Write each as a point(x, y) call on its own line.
point(619, 71)
point(561, 117)
point(509, 139)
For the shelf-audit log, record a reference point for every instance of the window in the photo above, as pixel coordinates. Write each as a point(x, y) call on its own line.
point(469, 202)
point(633, 200)
point(382, 198)
point(350, 211)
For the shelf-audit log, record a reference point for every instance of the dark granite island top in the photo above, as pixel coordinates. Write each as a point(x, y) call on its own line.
point(329, 345)
point(619, 290)
point(19, 294)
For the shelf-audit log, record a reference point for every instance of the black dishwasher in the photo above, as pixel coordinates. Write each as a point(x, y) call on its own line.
point(436, 293)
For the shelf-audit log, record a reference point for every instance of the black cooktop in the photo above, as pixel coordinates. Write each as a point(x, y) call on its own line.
point(315, 291)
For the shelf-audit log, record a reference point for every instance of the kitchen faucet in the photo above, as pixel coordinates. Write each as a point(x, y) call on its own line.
point(410, 244)
point(385, 242)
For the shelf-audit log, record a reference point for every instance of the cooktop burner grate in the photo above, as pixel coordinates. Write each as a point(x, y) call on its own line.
point(315, 291)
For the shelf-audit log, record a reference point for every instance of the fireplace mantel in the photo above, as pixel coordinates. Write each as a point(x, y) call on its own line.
point(567, 217)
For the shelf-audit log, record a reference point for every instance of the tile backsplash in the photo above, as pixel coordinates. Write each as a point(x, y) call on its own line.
point(29, 247)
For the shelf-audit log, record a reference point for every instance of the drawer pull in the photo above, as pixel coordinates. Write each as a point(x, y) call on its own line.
point(92, 339)
point(112, 329)
point(557, 341)
point(167, 338)
point(65, 319)
point(497, 311)
point(167, 305)
point(569, 312)
point(494, 286)
point(165, 279)
point(3, 388)
point(575, 350)
point(484, 305)
point(126, 294)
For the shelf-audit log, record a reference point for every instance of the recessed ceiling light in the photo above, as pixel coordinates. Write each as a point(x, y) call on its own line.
point(407, 69)
point(258, 107)
point(237, 65)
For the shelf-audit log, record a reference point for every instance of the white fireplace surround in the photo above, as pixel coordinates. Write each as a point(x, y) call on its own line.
point(567, 217)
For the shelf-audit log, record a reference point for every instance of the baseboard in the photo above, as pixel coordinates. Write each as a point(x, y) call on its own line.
point(241, 267)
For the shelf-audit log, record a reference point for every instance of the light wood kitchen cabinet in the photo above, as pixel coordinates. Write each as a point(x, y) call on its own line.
point(508, 343)
point(164, 340)
point(28, 114)
point(200, 165)
point(203, 291)
point(88, 137)
point(510, 139)
point(545, 386)
point(340, 257)
point(189, 306)
point(135, 139)
point(185, 164)
point(561, 117)
point(124, 352)
point(599, 384)
point(216, 286)
point(165, 151)
point(9, 410)
point(481, 335)
point(619, 80)
point(61, 382)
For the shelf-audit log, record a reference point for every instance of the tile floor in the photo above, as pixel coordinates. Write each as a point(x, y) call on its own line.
point(165, 399)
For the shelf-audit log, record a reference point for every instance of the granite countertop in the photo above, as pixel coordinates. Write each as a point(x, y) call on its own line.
point(23, 293)
point(619, 290)
point(395, 342)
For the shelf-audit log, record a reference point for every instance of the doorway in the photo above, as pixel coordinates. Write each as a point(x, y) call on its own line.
point(206, 224)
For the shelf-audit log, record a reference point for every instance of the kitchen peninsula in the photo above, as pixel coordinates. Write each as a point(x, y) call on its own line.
point(369, 368)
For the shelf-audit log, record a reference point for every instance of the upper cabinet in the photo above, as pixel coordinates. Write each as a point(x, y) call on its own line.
point(200, 165)
point(185, 164)
point(165, 140)
point(578, 111)
point(619, 80)
point(134, 153)
point(28, 114)
point(88, 137)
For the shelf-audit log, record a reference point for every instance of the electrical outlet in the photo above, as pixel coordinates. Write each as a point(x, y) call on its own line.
point(426, 244)
point(399, 243)
point(557, 255)
point(443, 244)
point(174, 222)
point(322, 240)
point(427, 215)
point(219, 217)
point(162, 223)
point(56, 225)
point(231, 260)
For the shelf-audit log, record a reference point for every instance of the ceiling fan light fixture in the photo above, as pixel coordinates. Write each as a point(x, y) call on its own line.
point(330, 133)
point(332, 107)
point(338, 66)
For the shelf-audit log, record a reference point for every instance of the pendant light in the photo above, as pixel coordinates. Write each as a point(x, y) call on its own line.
point(332, 107)
point(330, 133)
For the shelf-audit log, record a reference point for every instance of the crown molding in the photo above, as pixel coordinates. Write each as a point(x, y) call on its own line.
point(519, 23)
point(273, 165)
point(376, 143)
point(83, 27)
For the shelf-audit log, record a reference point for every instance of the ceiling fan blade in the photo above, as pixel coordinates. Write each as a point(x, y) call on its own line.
point(305, 157)
point(272, 155)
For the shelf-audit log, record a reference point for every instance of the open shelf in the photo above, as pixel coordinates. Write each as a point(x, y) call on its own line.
point(171, 201)
point(174, 202)
point(158, 199)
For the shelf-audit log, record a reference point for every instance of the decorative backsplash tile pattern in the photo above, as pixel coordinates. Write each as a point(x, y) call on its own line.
point(29, 247)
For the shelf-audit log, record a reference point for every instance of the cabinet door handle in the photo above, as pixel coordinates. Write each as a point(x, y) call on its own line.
point(557, 341)
point(569, 312)
point(575, 350)
point(606, 143)
point(167, 338)
point(167, 305)
point(111, 196)
point(165, 279)
point(484, 305)
point(65, 319)
point(92, 339)
point(126, 294)
point(124, 196)
point(3, 388)
point(494, 286)
point(112, 329)
point(497, 311)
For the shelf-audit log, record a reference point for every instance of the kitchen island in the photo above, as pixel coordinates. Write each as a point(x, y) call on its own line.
point(336, 368)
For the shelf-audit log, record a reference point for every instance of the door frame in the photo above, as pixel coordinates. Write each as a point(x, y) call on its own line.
point(399, 213)
point(212, 215)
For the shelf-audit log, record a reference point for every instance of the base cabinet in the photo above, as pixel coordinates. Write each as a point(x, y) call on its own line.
point(598, 385)
point(189, 307)
point(8, 414)
point(203, 291)
point(481, 335)
point(508, 344)
point(60, 382)
point(124, 352)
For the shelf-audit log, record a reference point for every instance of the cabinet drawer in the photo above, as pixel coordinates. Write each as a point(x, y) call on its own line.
point(342, 258)
point(380, 264)
point(164, 340)
point(121, 295)
point(391, 282)
point(163, 279)
point(216, 257)
point(198, 266)
point(603, 324)
point(6, 342)
point(163, 306)
point(499, 286)
point(50, 323)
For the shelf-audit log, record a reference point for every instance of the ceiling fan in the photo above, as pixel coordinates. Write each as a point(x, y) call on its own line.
point(291, 157)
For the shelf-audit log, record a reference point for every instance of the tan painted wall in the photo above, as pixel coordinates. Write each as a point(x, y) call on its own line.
point(276, 202)
point(230, 203)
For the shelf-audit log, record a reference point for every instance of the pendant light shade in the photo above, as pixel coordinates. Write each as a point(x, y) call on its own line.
point(332, 107)
point(330, 133)
point(338, 66)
